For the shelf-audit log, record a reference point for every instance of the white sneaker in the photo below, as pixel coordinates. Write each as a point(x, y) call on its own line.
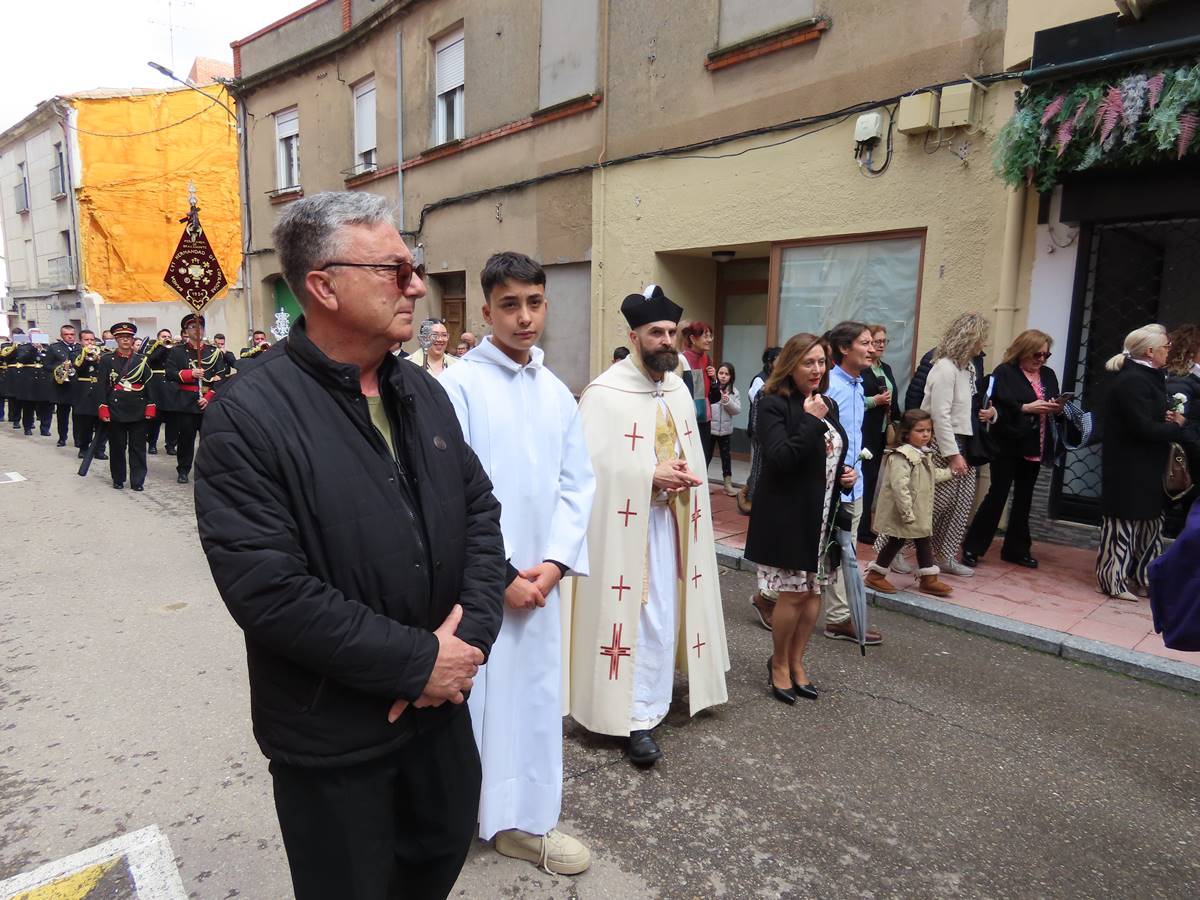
point(901, 566)
point(557, 853)
point(954, 567)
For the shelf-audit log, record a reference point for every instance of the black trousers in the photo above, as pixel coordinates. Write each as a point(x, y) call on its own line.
point(1019, 475)
point(870, 470)
point(63, 412)
point(188, 425)
point(85, 433)
point(131, 435)
point(45, 415)
point(167, 420)
point(14, 410)
point(722, 442)
point(893, 545)
point(397, 827)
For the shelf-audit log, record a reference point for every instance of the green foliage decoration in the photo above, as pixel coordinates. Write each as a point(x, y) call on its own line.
point(1140, 116)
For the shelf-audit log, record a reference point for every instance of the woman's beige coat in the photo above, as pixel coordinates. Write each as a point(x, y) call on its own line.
point(904, 507)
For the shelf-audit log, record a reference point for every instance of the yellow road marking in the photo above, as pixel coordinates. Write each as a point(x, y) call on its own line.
point(75, 886)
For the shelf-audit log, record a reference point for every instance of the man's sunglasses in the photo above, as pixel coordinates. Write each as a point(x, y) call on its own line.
point(403, 270)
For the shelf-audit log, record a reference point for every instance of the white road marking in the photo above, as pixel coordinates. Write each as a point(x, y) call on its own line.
point(11, 477)
point(147, 853)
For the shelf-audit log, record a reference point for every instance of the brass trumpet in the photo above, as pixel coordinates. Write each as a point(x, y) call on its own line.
point(64, 372)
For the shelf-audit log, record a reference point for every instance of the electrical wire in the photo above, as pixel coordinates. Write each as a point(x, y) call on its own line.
point(684, 151)
point(138, 133)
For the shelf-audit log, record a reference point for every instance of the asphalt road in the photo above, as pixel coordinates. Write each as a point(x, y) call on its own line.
point(943, 764)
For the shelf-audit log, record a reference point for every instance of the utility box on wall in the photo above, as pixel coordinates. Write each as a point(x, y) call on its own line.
point(918, 113)
point(960, 107)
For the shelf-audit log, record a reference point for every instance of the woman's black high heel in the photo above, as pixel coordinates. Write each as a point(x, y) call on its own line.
point(808, 691)
point(781, 694)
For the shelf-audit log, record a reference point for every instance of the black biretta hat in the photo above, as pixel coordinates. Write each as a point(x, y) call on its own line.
point(652, 305)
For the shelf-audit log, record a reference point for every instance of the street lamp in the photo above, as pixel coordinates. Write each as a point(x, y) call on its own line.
point(165, 71)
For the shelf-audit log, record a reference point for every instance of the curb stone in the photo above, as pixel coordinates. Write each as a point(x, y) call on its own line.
point(1145, 666)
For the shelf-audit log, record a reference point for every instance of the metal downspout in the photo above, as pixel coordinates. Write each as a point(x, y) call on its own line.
point(244, 181)
point(1010, 267)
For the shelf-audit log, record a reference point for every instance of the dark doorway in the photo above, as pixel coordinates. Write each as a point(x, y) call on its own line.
point(1129, 275)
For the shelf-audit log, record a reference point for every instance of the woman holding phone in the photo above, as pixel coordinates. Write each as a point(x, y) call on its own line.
point(1026, 396)
point(804, 470)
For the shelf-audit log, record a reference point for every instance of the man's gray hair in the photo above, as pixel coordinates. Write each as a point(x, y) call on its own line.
point(308, 234)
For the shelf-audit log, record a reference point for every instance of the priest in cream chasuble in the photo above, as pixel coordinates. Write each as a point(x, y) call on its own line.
point(653, 603)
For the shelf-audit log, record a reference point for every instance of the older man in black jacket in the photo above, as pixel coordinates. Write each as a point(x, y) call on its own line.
point(354, 537)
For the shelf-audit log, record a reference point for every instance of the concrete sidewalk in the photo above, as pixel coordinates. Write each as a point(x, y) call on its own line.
point(1054, 608)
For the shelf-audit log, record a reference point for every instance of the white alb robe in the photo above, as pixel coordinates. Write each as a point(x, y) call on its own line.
point(524, 426)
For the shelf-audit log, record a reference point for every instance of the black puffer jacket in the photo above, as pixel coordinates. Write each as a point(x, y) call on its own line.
point(336, 562)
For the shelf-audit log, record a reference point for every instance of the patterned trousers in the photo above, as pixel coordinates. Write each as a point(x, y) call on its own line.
point(953, 501)
point(1127, 547)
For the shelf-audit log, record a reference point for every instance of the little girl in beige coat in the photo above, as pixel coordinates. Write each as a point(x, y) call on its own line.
point(904, 506)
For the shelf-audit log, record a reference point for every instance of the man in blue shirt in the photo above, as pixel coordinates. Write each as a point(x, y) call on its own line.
point(852, 348)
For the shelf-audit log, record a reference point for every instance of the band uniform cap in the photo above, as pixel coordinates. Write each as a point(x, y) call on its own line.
point(652, 305)
point(189, 319)
point(123, 328)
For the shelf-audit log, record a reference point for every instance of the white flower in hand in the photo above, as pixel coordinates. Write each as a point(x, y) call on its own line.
point(864, 455)
point(1180, 403)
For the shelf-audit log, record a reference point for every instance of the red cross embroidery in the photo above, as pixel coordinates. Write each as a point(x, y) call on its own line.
point(614, 652)
point(634, 437)
point(696, 519)
point(626, 512)
point(699, 643)
point(696, 578)
point(688, 433)
point(621, 587)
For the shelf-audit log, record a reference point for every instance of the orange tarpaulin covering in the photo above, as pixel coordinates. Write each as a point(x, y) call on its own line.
point(139, 152)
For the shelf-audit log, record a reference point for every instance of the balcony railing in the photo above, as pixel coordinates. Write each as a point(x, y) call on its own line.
point(21, 196)
point(58, 182)
point(61, 271)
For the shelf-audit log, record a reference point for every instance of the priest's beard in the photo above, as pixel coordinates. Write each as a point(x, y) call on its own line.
point(661, 361)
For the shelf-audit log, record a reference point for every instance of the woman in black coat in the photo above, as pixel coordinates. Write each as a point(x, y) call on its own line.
point(1026, 397)
point(1183, 378)
point(804, 468)
point(1138, 430)
point(881, 393)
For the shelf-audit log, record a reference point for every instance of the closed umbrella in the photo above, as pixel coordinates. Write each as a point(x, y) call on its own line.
point(856, 592)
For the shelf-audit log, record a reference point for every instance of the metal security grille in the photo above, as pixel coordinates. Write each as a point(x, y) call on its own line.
point(1130, 274)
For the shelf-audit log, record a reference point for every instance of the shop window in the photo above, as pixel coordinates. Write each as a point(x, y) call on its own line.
point(871, 281)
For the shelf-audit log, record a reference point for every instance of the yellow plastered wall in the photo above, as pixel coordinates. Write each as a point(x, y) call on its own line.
point(138, 154)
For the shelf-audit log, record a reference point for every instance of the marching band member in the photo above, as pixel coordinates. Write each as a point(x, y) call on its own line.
point(87, 394)
point(193, 368)
point(60, 364)
point(126, 407)
point(163, 394)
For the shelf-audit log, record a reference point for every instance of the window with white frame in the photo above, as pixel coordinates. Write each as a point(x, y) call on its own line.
point(287, 141)
point(364, 126)
point(449, 80)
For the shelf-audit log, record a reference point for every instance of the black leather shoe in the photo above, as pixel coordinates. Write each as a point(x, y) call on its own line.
point(783, 695)
point(969, 559)
point(45, 432)
point(643, 749)
point(81, 454)
point(100, 456)
point(119, 485)
point(170, 451)
point(807, 691)
point(29, 432)
point(182, 479)
point(153, 451)
point(138, 487)
point(61, 443)
point(1027, 561)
